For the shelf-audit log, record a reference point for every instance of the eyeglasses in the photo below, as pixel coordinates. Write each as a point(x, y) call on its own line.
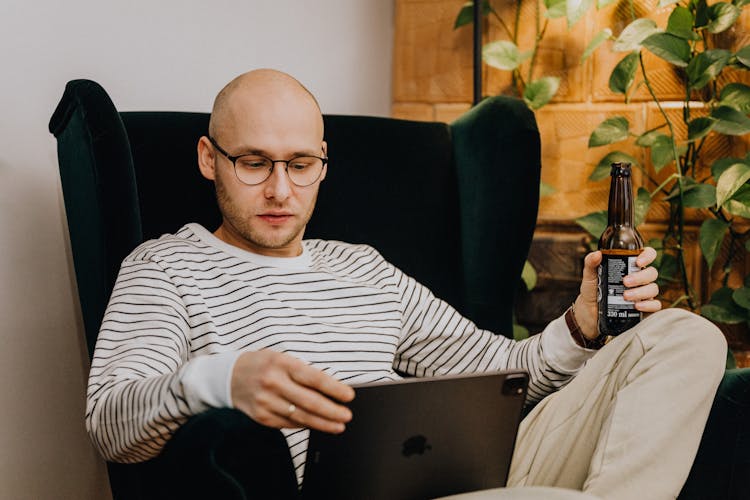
point(254, 169)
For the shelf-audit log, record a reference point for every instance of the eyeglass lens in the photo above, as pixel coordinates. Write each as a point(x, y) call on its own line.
point(254, 169)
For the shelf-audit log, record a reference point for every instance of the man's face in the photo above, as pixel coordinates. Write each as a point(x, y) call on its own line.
point(268, 218)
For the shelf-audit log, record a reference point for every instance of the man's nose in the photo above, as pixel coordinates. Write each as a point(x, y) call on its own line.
point(278, 186)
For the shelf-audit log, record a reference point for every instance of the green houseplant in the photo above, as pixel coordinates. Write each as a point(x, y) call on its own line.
point(680, 174)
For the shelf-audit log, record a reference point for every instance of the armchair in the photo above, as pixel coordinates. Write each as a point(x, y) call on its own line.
point(452, 205)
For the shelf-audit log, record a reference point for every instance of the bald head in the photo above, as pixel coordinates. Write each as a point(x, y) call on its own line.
point(255, 94)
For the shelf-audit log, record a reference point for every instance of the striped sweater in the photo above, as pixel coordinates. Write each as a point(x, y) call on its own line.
point(185, 305)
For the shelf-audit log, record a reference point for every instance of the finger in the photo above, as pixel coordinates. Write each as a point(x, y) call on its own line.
point(272, 412)
point(648, 306)
point(279, 413)
point(320, 381)
point(314, 403)
point(642, 277)
point(291, 416)
point(646, 257)
point(590, 263)
point(645, 292)
point(302, 418)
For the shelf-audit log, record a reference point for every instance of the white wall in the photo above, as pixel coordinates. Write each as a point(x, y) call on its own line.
point(148, 54)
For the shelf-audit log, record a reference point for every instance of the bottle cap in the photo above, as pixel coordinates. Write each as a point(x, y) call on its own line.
point(620, 168)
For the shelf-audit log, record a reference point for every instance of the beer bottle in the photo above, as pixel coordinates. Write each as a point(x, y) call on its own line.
point(620, 245)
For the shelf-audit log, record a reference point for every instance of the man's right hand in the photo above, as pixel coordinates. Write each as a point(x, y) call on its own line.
point(278, 390)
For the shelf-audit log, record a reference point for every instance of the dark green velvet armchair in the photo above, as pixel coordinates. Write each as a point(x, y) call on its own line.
point(452, 205)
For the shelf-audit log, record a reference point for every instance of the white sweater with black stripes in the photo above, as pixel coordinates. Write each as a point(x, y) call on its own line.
point(185, 306)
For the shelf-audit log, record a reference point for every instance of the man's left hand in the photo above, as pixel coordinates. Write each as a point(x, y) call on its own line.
point(642, 290)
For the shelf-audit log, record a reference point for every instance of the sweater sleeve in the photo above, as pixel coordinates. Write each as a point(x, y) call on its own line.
point(436, 339)
point(142, 386)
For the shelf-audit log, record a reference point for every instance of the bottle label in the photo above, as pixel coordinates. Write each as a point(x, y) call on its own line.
point(611, 272)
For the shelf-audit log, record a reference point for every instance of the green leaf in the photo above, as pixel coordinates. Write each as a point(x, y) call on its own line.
point(740, 3)
point(502, 54)
point(722, 308)
point(699, 128)
point(541, 91)
point(719, 166)
point(730, 181)
point(662, 152)
point(594, 223)
point(694, 195)
point(701, 12)
point(711, 235)
point(734, 207)
point(599, 39)
point(729, 121)
point(600, 4)
point(610, 130)
point(700, 196)
point(466, 14)
point(623, 75)
point(741, 297)
point(743, 55)
point(737, 96)
point(681, 23)
point(520, 332)
point(706, 66)
point(648, 139)
point(739, 203)
point(545, 189)
point(603, 169)
point(575, 9)
point(669, 47)
point(719, 314)
point(528, 275)
point(634, 33)
point(642, 204)
point(555, 8)
point(722, 16)
point(668, 269)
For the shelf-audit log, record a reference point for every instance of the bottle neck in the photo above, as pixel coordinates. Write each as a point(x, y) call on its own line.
point(620, 211)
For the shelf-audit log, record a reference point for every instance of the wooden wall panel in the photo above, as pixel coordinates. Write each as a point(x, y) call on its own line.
point(432, 61)
point(567, 162)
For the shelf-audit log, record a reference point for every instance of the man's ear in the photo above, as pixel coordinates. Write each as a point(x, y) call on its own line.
point(206, 158)
point(324, 146)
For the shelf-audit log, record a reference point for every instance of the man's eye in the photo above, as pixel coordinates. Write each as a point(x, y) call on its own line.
point(253, 163)
point(302, 163)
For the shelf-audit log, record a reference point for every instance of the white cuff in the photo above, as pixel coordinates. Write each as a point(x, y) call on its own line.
point(560, 350)
point(207, 381)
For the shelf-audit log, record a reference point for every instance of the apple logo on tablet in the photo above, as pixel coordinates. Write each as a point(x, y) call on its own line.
point(415, 445)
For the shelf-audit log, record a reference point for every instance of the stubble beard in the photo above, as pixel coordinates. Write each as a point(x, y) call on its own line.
point(241, 222)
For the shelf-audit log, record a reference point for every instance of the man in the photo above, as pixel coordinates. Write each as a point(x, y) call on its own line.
point(255, 318)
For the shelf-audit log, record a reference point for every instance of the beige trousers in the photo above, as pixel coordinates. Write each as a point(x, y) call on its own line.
point(629, 424)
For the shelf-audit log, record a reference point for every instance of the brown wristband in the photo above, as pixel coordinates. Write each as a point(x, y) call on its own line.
point(577, 334)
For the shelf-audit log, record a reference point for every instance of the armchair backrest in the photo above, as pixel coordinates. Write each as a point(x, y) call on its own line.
point(452, 205)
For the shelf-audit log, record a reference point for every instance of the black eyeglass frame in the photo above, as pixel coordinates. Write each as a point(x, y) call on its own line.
point(286, 163)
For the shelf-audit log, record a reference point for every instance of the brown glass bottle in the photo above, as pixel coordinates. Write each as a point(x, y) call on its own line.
point(620, 245)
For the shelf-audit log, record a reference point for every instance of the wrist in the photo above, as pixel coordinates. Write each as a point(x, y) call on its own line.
point(576, 332)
